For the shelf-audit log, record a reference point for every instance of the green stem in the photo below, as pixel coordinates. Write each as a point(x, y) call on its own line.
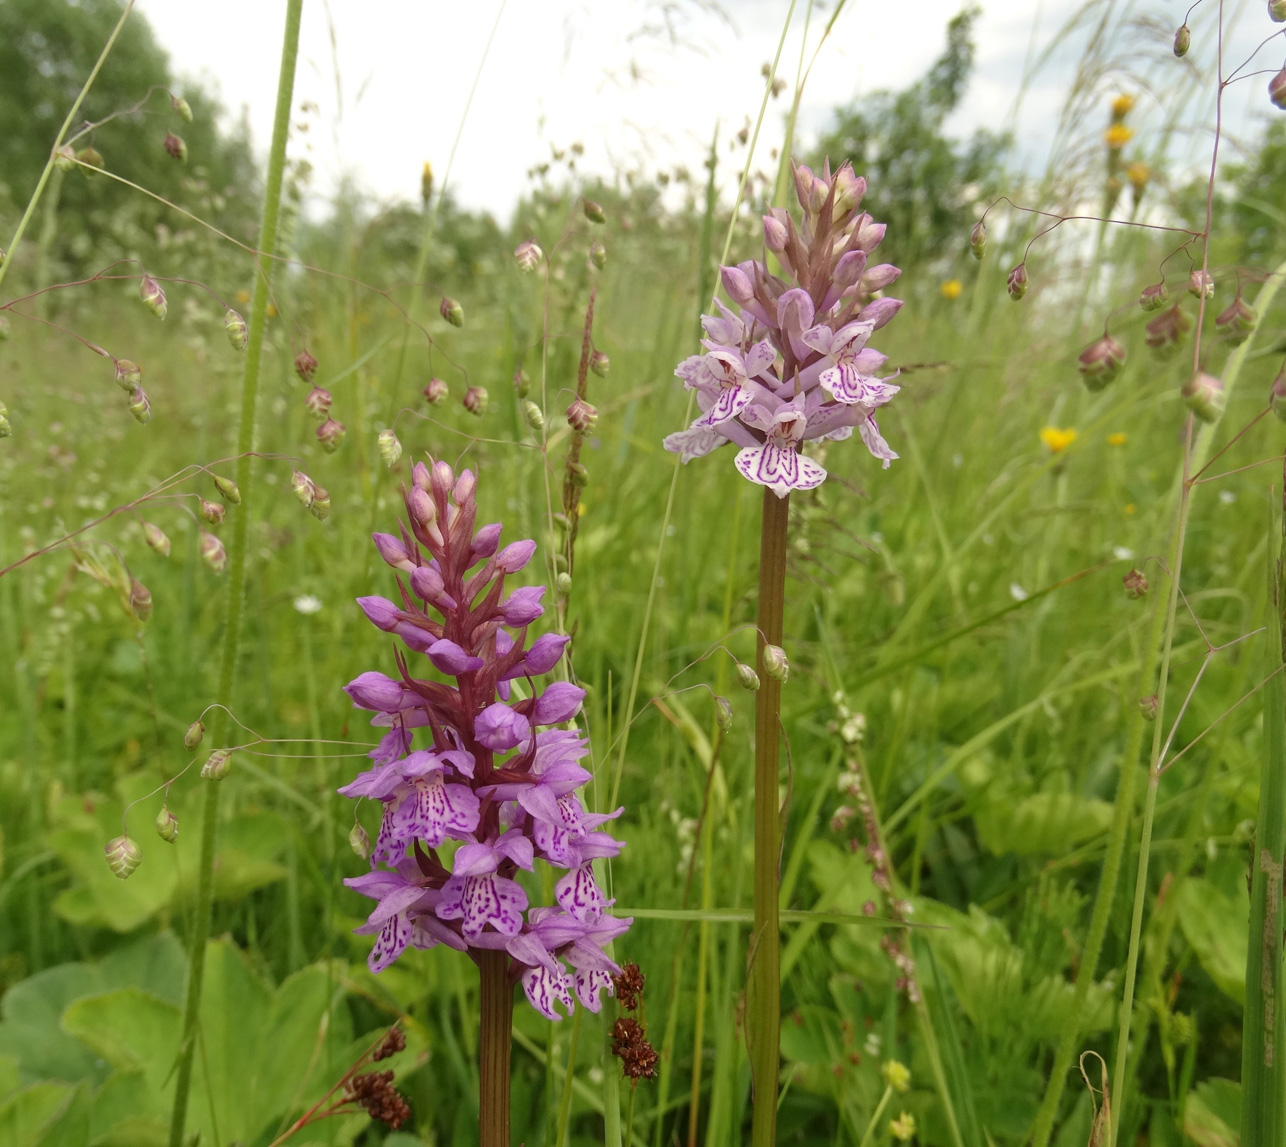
point(237, 563)
point(869, 1134)
point(763, 1004)
point(494, 1035)
point(565, 1103)
point(34, 201)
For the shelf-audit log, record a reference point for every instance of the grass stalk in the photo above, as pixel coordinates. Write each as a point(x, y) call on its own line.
point(237, 561)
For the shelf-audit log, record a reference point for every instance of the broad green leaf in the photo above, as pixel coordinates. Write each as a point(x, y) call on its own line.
point(9, 1082)
point(125, 1106)
point(1043, 822)
point(1212, 1115)
point(1216, 926)
point(70, 1126)
point(30, 1031)
point(130, 1030)
point(27, 1115)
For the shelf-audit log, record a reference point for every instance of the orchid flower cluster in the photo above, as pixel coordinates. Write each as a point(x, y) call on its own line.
point(793, 365)
point(472, 761)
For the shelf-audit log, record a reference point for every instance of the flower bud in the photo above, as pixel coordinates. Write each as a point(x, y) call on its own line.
point(303, 488)
point(123, 856)
point(421, 508)
point(89, 157)
point(737, 285)
point(181, 108)
point(149, 290)
point(305, 366)
point(723, 713)
point(330, 434)
point(1148, 707)
point(394, 552)
point(128, 374)
point(139, 406)
point(319, 507)
point(1201, 283)
point(1155, 297)
point(140, 600)
point(1277, 89)
point(775, 663)
point(978, 240)
point(426, 182)
point(1182, 40)
point(1277, 397)
point(1205, 396)
point(227, 490)
point(192, 738)
point(216, 765)
point(441, 479)
point(1237, 320)
point(1277, 11)
point(212, 512)
point(1165, 331)
point(1100, 362)
point(452, 311)
point(600, 364)
point(238, 332)
point(594, 211)
point(435, 391)
point(581, 416)
point(212, 551)
point(776, 234)
point(360, 842)
point(1017, 282)
point(390, 448)
point(475, 400)
point(522, 384)
point(528, 254)
point(804, 185)
point(175, 148)
point(563, 584)
point(167, 825)
point(156, 538)
point(1136, 584)
point(747, 678)
point(598, 255)
point(849, 189)
point(318, 403)
point(535, 419)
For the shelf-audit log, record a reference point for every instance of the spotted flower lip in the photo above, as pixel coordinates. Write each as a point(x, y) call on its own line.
point(465, 760)
point(802, 336)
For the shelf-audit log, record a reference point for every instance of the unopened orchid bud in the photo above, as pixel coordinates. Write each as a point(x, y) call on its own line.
point(1148, 707)
point(167, 825)
point(238, 332)
point(878, 277)
point(594, 211)
point(1182, 40)
point(528, 254)
point(394, 552)
point(452, 311)
point(305, 366)
point(1201, 283)
point(319, 507)
point(140, 600)
point(157, 539)
point(212, 551)
point(804, 185)
point(723, 713)
point(360, 842)
point(128, 374)
point(522, 384)
point(532, 415)
point(318, 403)
point(441, 479)
point(421, 508)
point(1100, 362)
point(1017, 283)
point(1136, 584)
point(427, 583)
point(149, 290)
point(581, 416)
point(579, 475)
point(1205, 396)
point(1277, 89)
point(1277, 11)
point(737, 285)
point(303, 488)
point(228, 490)
point(139, 405)
point(747, 678)
point(978, 240)
point(90, 157)
point(849, 189)
point(212, 512)
point(193, 737)
point(390, 448)
point(330, 434)
point(563, 584)
point(216, 765)
point(435, 391)
point(1155, 297)
point(600, 364)
point(181, 108)
point(1277, 397)
point(849, 270)
point(776, 234)
point(1237, 320)
point(475, 400)
point(776, 664)
point(464, 487)
point(175, 147)
point(1164, 332)
point(598, 255)
point(123, 856)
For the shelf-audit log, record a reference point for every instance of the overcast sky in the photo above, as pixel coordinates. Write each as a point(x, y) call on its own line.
point(391, 77)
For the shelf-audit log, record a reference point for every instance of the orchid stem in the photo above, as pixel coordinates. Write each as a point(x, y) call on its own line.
point(494, 1037)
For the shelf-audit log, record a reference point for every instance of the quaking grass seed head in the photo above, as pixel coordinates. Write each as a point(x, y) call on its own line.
point(157, 539)
point(175, 147)
point(451, 310)
point(475, 400)
point(153, 296)
point(303, 488)
point(128, 374)
point(1154, 297)
point(181, 108)
point(305, 366)
point(140, 600)
point(1182, 40)
point(216, 765)
point(330, 434)
point(978, 240)
point(317, 403)
point(435, 391)
point(319, 507)
point(140, 406)
point(167, 825)
point(1100, 362)
point(389, 447)
point(237, 331)
point(123, 856)
point(1017, 282)
point(193, 737)
point(1205, 396)
point(212, 512)
point(212, 551)
point(228, 490)
point(528, 255)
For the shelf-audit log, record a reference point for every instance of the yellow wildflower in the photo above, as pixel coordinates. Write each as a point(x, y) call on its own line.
point(903, 1127)
point(1121, 106)
point(1118, 135)
point(1129, 508)
point(243, 296)
point(1117, 439)
point(951, 289)
point(896, 1075)
point(1138, 175)
point(1056, 440)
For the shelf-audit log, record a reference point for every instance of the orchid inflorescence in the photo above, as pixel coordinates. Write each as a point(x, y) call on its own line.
point(481, 774)
point(792, 365)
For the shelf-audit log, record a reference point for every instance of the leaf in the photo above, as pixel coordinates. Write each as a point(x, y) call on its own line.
point(1041, 823)
point(30, 1032)
point(25, 1117)
point(130, 1029)
point(1217, 928)
point(1212, 1112)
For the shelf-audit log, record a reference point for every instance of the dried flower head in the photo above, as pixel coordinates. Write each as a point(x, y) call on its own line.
point(375, 1093)
point(630, 1045)
point(305, 366)
point(629, 987)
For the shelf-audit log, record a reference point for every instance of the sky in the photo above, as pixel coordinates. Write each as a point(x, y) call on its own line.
point(637, 82)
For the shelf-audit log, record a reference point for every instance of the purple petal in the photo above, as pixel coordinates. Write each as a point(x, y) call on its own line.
point(380, 693)
point(448, 657)
point(485, 542)
point(427, 583)
point(514, 556)
point(543, 988)
point(517, 848)
point(390, 943)
point(499, 728)
point(781, 469)
point(522, 607)
point(560, 702)
point(590, 984)
point(382, 612)
point(580, 895)
point(393, 551)
point(695, 442)
point(545, 653)
point(473, 860)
